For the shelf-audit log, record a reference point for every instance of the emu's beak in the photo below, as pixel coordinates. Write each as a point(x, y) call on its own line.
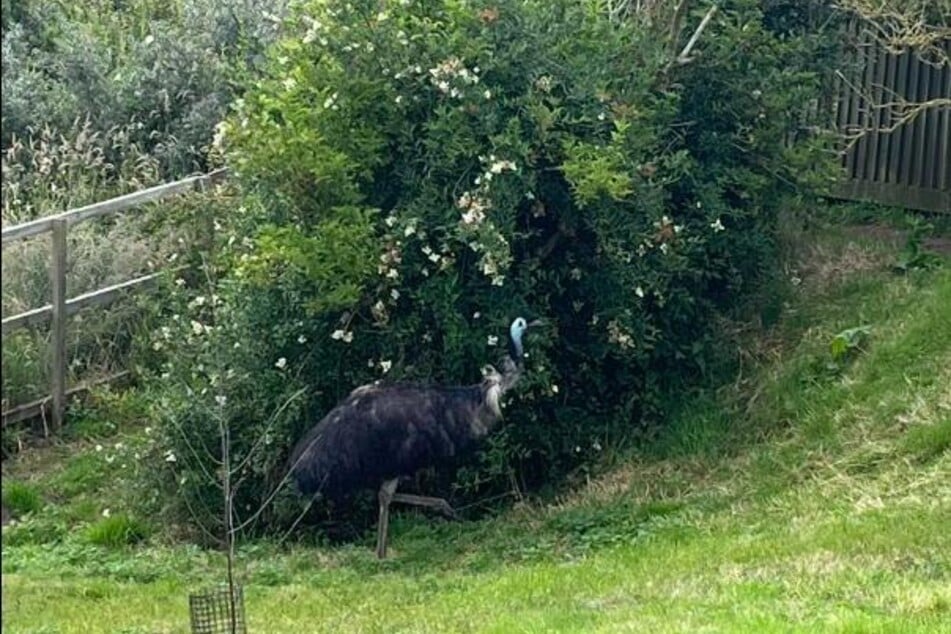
point(536, 322)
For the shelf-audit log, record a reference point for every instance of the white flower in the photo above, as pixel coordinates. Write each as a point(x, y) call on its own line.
point(395, 294)
point(639, 292)
point(289, 83)
point(393, 274)
point(337, 334)
point(281, 363)
point(443, 86)
point(170, 456)
point(500, 166)
point(148, 430)
point(473, 217)
point(476, 315)
point(221, 399)
point(348, 336)
point(664, 248)
point(596, 445)
point(554, 388)
point(717, 226)
point(409, 230)
point(575, 273)
point(385, 366)
point(98, 447)
point(197, 327)
point(488, 94)
point(390, 220)
point(302, 339)
point(330, 101)
point(399, 99)
point(105, 512)
point(493, 340)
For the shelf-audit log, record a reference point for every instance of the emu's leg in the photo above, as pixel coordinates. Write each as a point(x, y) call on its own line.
point(385, 496)
point(439, 504)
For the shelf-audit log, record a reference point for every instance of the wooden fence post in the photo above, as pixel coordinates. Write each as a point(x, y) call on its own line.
point(58, 329)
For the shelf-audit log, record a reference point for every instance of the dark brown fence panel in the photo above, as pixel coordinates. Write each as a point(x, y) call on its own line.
point(887, 160)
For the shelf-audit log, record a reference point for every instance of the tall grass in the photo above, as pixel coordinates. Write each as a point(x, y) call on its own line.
point(47, 174)
point(100, 99)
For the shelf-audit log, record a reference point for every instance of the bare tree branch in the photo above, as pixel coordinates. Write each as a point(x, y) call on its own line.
point(684, 58)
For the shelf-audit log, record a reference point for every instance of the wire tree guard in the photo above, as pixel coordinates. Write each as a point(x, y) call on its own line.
point(211, 612)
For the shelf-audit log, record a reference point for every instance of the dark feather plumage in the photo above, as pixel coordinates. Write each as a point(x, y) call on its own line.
point(383, 431)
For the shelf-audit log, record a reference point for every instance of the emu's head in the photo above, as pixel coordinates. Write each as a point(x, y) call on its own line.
point(516, 334)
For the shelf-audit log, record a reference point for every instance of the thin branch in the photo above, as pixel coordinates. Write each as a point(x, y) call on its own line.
point(683, 57)
point(267, 428)
point(676, 24)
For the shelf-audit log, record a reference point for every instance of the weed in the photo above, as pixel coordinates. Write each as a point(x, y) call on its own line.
point(913, 256)
point(116, 531)
point(21, 499)
point(928, 441)
point(847, 344)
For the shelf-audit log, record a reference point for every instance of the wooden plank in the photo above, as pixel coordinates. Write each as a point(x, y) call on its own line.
point(898, 136)
point(58, 329)
point(886, 144)
point(878, 59)
point(944, 134)
point(100, 297)
point(896, 195)
point(40, 407)
point(152, 194)
point(921, 146)
point(865, 106)
point(853, 120)
point(932, 157)
point(909, 134)
point(29, 318)
point(109, 294)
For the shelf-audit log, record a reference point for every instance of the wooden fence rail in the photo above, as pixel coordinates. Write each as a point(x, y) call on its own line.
point(61, 308)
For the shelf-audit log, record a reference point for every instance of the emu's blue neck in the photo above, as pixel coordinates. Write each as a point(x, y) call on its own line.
point(516, 351)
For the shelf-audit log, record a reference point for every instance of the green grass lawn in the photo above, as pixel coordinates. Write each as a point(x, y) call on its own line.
point(800, 498)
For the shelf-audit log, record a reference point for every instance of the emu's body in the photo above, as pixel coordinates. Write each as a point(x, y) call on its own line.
point(380, 432)
point(383, 432)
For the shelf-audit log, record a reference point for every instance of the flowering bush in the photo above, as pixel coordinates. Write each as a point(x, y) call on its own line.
point(416, 174)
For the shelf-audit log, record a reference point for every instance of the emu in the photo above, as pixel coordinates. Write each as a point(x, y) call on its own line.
point(381, 433)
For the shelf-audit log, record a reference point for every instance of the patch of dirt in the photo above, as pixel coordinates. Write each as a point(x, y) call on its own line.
point(823, 265)
point(896, 238)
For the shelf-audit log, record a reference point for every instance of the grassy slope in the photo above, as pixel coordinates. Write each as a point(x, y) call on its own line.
point(795, 500)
